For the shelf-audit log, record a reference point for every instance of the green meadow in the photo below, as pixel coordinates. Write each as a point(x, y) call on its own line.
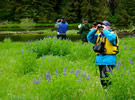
point(52, 69)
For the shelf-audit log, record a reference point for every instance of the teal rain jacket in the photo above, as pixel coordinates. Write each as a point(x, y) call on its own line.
point(103, 59)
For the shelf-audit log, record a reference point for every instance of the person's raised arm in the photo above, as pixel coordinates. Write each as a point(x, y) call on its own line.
point(92, 37)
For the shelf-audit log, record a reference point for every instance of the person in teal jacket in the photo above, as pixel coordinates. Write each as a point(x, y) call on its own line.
point(106, 62)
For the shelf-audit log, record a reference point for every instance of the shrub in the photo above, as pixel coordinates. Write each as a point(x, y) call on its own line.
point(27, 24)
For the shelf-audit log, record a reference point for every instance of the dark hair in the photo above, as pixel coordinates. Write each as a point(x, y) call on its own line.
point(63, 19)
point(84, 19)
point(94, 23)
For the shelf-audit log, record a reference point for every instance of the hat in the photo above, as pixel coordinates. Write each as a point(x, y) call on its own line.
point(84, 19)
point(62, 17)
point(106, 23)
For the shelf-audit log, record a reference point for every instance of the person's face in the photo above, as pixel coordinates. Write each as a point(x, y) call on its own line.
point(85, 21)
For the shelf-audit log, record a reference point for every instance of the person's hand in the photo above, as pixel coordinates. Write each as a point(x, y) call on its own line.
point(98, 26)
point(104, 27)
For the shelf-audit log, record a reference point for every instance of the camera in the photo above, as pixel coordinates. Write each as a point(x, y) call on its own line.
point(99, 47)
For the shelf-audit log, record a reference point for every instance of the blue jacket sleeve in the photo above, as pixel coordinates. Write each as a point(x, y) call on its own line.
point(92, 37)
point(110, 36)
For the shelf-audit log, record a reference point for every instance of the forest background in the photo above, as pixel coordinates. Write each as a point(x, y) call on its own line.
point(47, 11)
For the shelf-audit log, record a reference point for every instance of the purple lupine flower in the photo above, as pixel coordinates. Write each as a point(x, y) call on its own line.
point(84, 74)
point(128, 73)
point(43, 57)
point(71, 71)
point(36, 82)
point(130, 61)
point(54, 41)
point(88, 77)
point(111, 73)
point(56, 73)
point(45, 43)
point(47, 75)
point(47, 81)
point(102, 74)
point(123, 43)
point(64, 71)
point(77, 71)
point(79, 80)
point(107, 69)
point(36, 50)
point(124, 67)
point(130, 47)
point(129, 36)
point(22, 51)
point(118, 64)
point(125, 47)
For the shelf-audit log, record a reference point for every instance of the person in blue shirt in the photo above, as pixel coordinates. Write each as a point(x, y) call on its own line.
point(61, 28)
point(106, 54)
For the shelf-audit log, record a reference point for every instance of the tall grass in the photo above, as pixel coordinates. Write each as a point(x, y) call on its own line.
point(60, 69)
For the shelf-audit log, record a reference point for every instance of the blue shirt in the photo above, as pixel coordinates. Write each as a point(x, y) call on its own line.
point(63, 27)
point(103, 59)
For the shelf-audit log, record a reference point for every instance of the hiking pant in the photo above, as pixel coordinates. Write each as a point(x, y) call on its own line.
point(61, 37)
point(105, 70)
point(84, 37)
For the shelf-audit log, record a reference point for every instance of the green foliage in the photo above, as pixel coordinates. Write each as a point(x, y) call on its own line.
point(7, 40)
point(74, 10)
point(27, 24)
point(23, 69)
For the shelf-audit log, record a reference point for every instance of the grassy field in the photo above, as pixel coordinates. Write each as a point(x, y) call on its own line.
point(52, 69)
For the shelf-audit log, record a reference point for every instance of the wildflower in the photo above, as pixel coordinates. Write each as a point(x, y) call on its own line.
point(36, 82)
point(123, 43)
point(36, 50)
point(43, 77)
point(118, 65)
point(47, 81)
point(56, 72)
point(130, 47)
point(107, 69)
point(47, 75)
point(124, 67)
point(22, 51)
point(130, 61)
point(84, 74)
point(71, 71)
point(77, 71)
point(128, 73)
point(43, 57)
point(45, 43)
point(64, 71)
point(125, 48)
point(88, 77)
point(102, 74)
point(79, 80)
